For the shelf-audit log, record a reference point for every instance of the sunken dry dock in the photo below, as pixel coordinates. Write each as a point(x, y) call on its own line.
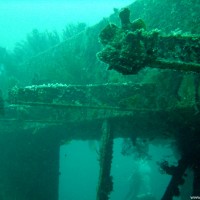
point(36, 119)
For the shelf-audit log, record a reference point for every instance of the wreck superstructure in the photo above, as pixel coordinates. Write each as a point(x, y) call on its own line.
point(39, 117)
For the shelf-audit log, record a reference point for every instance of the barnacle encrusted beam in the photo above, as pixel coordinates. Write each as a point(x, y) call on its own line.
point(131, 48)
point(187, 141)
point(105, 185)
point(176, 180)
point(151, 110)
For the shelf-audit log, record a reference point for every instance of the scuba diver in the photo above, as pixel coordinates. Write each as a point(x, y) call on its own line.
point(140, 179)
point(140, 188)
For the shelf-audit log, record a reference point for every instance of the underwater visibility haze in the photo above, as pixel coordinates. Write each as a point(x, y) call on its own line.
point(20, 17)
point(99, 100)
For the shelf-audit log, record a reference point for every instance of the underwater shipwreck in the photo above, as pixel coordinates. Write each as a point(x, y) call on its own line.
point(158, 94)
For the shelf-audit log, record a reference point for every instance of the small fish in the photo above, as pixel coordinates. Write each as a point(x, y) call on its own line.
point(94, 147)
point(2, 110)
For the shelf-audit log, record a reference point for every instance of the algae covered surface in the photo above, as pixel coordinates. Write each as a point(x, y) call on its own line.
point(105, 109)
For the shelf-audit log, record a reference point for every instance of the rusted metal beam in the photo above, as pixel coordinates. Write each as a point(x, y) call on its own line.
point(105, 184)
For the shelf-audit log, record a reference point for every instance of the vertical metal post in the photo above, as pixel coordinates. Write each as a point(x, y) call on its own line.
point(105, 185)
point(196, 181)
